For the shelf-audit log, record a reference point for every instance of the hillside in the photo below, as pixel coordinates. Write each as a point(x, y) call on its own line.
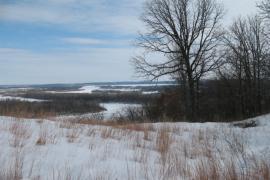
point(64, 149)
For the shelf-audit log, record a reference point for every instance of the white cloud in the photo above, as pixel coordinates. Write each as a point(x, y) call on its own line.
point(19, 66)
point(121, 16)
point(85, 41)
point(237, 8)
point(11, 51)
point(33, 14)
point(94, 42)
point(81, 15)
point(81, 65)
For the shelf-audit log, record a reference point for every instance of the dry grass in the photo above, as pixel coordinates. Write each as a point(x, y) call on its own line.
point(46, 136)
point(107, 132)
point(163, 143)
point(73, 134)
point(159, 151)
point(13, 169)
point(20, 132)
point(43, 136)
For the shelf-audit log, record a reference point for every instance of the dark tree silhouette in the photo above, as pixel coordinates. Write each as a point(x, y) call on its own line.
point(188, 33)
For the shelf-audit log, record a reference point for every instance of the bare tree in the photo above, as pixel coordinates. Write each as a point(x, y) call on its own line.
point(187, 33)
point(265, 8)
point(247, 60)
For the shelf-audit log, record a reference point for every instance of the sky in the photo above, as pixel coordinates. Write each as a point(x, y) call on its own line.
point(76, 41)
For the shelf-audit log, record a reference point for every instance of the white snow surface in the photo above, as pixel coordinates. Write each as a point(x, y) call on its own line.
point(114, 108)
point(143, 85)
point(4, 98)
point(150, 92)
point(122, 88)
point(104, 152)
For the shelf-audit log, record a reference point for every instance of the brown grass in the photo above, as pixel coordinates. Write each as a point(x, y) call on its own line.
point(20, 133)
point(178, 152)
point(14, 168)
point(73, 134)
point(43, 136)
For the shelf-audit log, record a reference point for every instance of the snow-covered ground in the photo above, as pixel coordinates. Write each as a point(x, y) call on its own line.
point(43, 149)
point(90, 89)
point(114, 108)
point(4, 98)
point(121, 88)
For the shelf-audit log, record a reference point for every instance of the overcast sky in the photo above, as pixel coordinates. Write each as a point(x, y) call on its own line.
point(70, 41)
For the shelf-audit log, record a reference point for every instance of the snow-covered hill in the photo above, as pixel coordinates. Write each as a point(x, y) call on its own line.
point(46, 149)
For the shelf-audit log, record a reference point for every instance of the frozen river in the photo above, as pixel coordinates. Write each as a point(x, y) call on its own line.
point(114, 108)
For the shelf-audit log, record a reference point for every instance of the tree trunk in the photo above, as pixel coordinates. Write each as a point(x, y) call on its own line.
point(192, 99)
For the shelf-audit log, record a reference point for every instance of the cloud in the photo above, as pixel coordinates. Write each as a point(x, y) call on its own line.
point(11, 51)
point(70, 44)
point(85, 41)
point(80, 15)
point(33, 14)
point(81, 41)
point(19, 66)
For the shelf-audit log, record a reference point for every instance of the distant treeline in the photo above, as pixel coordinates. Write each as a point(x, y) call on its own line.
point(47, 108)
point(67, 103)
point(218, 101)
point(102, 97)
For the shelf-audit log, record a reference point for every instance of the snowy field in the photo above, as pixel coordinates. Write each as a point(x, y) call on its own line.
point(114, 108)
point(46, 149)
point(4, 98)
point(120, 88)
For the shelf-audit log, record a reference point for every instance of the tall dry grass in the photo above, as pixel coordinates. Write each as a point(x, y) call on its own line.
point(157, 151)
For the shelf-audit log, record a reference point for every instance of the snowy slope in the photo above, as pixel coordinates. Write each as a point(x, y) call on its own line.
point(4, 98)
point(43, 149)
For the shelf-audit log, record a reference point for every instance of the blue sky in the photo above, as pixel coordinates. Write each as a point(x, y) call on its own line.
point(69, 41)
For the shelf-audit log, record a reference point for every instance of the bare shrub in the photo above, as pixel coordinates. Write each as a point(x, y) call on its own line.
point(91, 132)
point(107, 132)
point(46, 136)
point(130, 114)
point(67, 124)
point(43, 136)
point(97, 116)
point(20, 133)
point(73, 134)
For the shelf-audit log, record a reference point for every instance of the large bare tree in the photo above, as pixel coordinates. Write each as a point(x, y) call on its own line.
point(187, 33)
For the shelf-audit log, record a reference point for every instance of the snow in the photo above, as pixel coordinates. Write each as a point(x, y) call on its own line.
point(143, 85)
point(90, 89)
point(87, 89)
point(111, 110)
point(114, 108)
point(4, 98)
point(107, 152)
point(150, 92)
point(122, 88)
